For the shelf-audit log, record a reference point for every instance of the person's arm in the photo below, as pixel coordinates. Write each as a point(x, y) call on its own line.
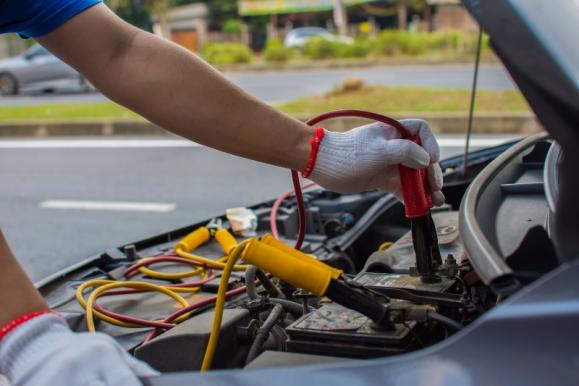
point(42, 350)
point(180, 92)
point(176, 90)
point(18, 296)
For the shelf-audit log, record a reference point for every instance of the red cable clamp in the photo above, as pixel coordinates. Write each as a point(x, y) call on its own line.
point(315, 144)
point(10, 326)
point(417, 197)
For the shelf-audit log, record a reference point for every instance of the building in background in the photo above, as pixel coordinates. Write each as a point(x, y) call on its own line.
point(449, 15)
point(287, 14)
point(348, 16)
point(186, 25)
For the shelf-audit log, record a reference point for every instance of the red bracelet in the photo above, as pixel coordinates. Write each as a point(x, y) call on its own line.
point(315, 143)
point(10, 326)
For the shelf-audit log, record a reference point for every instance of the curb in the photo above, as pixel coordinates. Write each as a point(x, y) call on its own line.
point(444, 123)
point(457, 123)
point(348, 64)
point(81, 129)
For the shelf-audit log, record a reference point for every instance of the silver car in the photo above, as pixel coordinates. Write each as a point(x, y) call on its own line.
point(36, 68)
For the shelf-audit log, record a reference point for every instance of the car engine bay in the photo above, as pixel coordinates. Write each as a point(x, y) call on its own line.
point(391, 310)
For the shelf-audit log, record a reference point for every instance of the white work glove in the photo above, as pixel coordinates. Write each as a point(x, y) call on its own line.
point(44, 351)
point(367, 158)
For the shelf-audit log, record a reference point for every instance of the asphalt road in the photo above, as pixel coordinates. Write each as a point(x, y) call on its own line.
point(283, 86)
point(62, 201)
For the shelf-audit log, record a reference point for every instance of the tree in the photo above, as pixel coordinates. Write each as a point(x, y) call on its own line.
point(221, 10)
point(396, 7)
point(151, 6)
point(133, 12)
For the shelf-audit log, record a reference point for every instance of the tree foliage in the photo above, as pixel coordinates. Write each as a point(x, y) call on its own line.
point(221, 10)
point(140, 12)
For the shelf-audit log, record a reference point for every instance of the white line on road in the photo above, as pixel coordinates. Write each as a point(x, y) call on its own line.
point(108, 205)
point(95, 143)
point(175, 143)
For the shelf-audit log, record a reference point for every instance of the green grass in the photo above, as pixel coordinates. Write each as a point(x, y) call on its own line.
point(398, 99)
point(65, 112)
point(374, 98)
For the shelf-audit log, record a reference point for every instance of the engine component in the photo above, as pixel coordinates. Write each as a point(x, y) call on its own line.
point(412, 288)
point(400, 257)
point(275, 359)
point(338, 331)
point(303, 271)
point(178, 349)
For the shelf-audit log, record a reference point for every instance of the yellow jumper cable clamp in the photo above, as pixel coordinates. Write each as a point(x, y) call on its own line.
point(275, 243)
point(227, 241)
point(298, 269)
point(193, 240)
point(213, 225)
point(202, 235)
point(303, 271)
point(299, 272)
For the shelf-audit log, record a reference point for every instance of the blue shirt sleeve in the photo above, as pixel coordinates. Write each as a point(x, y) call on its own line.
point(33, 18)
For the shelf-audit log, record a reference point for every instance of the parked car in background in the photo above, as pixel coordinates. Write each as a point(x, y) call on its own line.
point(36, 68)
point(298, 37)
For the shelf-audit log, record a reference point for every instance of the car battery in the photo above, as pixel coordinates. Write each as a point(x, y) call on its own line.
point(338, 331)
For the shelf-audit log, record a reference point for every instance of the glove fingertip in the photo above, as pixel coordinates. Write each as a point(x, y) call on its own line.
point(423, 129)
point(435, 177)
point(407, 153)
point(438, 198)
point(430, 145)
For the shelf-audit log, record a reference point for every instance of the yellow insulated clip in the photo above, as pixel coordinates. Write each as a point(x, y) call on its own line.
point(194, 240)
point(226, 240)
point(273, 242)
point(298, 272)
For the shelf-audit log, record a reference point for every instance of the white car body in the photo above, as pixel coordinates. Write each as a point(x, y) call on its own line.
point(36, 68)
point(298, 37)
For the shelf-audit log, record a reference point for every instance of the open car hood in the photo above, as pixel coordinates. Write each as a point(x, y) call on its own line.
point(537, 42)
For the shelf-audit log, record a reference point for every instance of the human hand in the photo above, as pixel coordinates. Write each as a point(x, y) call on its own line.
point(367, 158)
point(44, 351)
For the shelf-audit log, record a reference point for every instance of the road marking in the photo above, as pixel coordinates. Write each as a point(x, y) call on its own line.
point(109, 205)
point(176, 143)
point(95, 143)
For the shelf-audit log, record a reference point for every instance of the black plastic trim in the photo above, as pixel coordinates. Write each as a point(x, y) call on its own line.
point(485, 258)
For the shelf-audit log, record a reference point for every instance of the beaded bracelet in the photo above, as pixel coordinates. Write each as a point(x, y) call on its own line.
point(10, 326)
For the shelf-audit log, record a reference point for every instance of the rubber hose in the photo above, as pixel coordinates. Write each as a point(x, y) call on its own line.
point(266, 282)
point(251, 272)
point(263, 333)
point(250, 282)
point(452, 324)
point(277, 339)
point(293, 308)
